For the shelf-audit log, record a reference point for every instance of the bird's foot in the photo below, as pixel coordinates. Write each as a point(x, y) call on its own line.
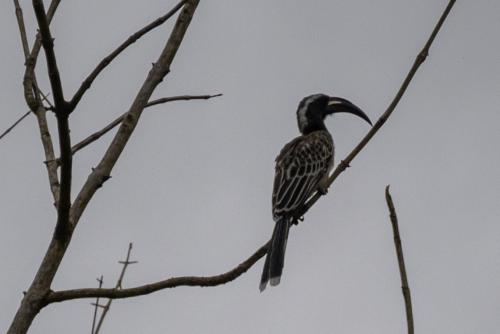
point(322, 189)
point(297, 220)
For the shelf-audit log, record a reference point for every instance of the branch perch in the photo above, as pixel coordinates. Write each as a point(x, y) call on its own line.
point(380, 122)
point(401, 261)
point(58, 296)
point(39, 293)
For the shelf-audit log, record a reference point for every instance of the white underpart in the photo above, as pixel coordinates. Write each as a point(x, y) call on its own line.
point(302, 112)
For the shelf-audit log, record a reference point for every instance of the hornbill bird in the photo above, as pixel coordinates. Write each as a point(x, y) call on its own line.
point(302, 167)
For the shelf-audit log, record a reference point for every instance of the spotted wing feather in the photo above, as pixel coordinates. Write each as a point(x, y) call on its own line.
point(300, 166)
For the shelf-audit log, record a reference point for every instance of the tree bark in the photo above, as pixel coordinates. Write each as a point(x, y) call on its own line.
point(36, 296)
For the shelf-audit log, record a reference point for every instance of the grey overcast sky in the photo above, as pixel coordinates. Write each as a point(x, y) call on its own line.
point(192, 189)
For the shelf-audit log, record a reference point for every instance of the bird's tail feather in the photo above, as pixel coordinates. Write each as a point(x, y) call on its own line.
point(275, 259)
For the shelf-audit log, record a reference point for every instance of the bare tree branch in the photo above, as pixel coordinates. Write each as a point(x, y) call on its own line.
point(108, 59)
point(35, 297)
point(401, 261)
point(159, 70)
point(37, 45)
point(48, 46)
point(226, 277)
point(29, 82)
point(380, 122)
point(180, 98)
point(48, 148)
point(14, 125)
point(22, 28)
point(118, 285)
point(62, 114)
point(98, 134)
point(32, 96)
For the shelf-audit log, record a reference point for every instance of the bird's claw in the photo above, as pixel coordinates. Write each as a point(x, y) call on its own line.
point(322, 190)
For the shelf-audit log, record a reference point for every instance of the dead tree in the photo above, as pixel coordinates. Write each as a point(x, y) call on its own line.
point(40, 292)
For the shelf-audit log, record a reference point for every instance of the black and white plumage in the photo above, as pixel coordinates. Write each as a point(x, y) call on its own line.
point(302, 167)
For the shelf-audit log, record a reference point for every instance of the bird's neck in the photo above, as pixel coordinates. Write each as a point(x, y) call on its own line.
point(314, 125)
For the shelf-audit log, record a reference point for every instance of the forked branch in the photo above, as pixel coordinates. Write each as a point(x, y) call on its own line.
point(96, 305)
point(35, 298)
point(33, 95)
point(98, 134)
point(108, 59)
point(107, 306)
point(159, 70)
point(58, 296)
point(29, 81)
point(62, 114)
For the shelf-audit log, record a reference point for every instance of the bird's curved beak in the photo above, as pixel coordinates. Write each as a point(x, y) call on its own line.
point(338, 104)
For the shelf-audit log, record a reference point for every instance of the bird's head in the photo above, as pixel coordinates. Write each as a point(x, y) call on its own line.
point(313, 110)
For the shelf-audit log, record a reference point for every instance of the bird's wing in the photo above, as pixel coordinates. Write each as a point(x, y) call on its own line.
point(299, 167)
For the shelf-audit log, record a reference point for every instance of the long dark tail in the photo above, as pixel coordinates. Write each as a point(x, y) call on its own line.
point(273, 267)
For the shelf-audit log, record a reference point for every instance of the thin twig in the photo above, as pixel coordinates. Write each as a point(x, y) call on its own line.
point(14, 125)
point(45, 97)
point(10, 128)
point(380, 122)
point(180, 98)
point(59, 296)
point(22, 28)
point(108, 59)
point(401, 261)
point(96, 305)
point(32, 96)
point(118, 285)
point(26, 50)
point(98, 134)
